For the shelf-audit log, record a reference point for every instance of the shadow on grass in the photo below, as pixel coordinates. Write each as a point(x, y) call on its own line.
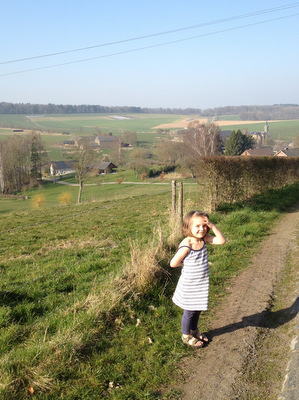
point(265, 319)
point(280, 200)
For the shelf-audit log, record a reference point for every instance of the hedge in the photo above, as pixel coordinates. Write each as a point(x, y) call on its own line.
point(232, 179)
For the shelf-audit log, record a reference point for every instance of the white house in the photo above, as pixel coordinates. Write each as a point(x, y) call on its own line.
point(61, 168)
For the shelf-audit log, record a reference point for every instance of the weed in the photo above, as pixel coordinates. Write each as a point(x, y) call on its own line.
point(38, 200)
point(65, 198)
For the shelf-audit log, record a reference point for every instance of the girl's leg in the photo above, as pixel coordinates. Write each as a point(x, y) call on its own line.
point(194, 321)
point(189, 321)
point(194, 330)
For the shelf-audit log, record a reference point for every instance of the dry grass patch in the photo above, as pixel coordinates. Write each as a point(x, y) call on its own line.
point(140, 271)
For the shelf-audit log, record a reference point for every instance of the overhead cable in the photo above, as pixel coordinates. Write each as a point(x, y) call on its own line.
point(252, 14)
point(148, 47)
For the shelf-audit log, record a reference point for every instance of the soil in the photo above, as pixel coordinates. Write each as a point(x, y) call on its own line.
point(184, 123)
point(214, 370)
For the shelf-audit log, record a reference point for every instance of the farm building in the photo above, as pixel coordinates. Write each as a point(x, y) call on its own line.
point(288, 153)
point(102, 167)
point(107, 142)
point(61, 168)
point(225, 134)
point(69, 143)
point(260, 152)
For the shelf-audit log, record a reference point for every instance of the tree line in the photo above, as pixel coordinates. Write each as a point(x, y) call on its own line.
point(28, 109)
point(253, 113)
point(258, 113)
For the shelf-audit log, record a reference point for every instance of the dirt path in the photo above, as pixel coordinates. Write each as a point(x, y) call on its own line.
point(213, 371)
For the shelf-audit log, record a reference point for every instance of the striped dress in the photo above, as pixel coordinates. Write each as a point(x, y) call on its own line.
point(192, 291)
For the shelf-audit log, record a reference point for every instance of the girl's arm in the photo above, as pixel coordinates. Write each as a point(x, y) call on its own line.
point(218, 238)
point(179, 257)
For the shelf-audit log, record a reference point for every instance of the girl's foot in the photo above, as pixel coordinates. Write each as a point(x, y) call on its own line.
point(192, 341)
point(200, 336)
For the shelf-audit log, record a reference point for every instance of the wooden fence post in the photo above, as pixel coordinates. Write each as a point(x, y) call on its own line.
point(173, 198)
point(180, 202)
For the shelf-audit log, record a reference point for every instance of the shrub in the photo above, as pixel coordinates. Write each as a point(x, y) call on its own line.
point(232, 179)
point(65, 198)
point(38, 200)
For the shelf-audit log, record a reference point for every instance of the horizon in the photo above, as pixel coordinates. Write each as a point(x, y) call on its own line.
point(154, 107)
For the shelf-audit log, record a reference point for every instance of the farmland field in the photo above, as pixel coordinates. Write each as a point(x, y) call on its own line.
point(52, 126)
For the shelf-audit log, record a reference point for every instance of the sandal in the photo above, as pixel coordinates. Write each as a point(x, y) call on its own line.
point(201, 336)
point(192, 341)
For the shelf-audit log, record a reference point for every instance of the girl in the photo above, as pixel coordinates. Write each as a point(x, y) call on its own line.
point(192, 291)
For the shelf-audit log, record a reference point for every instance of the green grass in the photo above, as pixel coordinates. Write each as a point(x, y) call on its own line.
point(280, 130)
point(86, 124)
point(16, 121)
point(97, 189)
point(61, 331)
point(143, 124)
point(77, 123)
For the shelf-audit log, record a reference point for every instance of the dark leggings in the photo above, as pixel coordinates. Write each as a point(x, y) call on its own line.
point(189, 321)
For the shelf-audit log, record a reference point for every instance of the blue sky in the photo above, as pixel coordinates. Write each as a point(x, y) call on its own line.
point(218, 60)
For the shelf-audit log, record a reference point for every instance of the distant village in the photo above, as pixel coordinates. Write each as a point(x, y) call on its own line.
point(264, 146)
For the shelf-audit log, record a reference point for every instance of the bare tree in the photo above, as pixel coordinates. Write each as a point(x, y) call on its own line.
point(130, 137)
point(296, 142)
point(201, 140)
point(15, 163)
point(169, 152)
point(118, 157)
point(83, 158)
point(138, 160)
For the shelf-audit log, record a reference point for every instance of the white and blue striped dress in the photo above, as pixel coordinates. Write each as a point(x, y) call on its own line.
point(192, 291)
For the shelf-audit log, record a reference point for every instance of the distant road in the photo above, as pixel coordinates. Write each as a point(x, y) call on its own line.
point(111, 183)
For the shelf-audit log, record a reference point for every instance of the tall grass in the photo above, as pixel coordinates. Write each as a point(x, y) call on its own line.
point(86, 309)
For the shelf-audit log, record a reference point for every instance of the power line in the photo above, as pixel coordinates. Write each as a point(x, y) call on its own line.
point(147, 47)
point(252, 14)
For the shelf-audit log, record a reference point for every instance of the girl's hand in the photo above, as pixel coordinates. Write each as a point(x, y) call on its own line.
point(208, 222)
point(218, 238)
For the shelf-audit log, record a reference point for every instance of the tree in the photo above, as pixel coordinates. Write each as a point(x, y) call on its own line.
point(201, 140)
point(238, 143)
point(130, 137)
point(169, 152)
point(118, 157)
point(83, 158)
point(138, 160)
point(15, 163)
point(36, 155)
point(296, 142)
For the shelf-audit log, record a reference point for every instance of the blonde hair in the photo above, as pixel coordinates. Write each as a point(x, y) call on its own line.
point(186, 229)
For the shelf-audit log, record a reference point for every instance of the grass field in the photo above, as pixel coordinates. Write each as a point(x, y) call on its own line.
point(144, 125)
point(74, 321)
point(50, 195)
point(278, 130)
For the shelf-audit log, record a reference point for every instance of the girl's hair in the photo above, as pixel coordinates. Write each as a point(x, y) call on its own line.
point(188, 219)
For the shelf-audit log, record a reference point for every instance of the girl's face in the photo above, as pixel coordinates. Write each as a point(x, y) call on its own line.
point(198, 227)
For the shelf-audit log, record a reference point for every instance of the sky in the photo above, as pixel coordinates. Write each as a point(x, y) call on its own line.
point(158, 53)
